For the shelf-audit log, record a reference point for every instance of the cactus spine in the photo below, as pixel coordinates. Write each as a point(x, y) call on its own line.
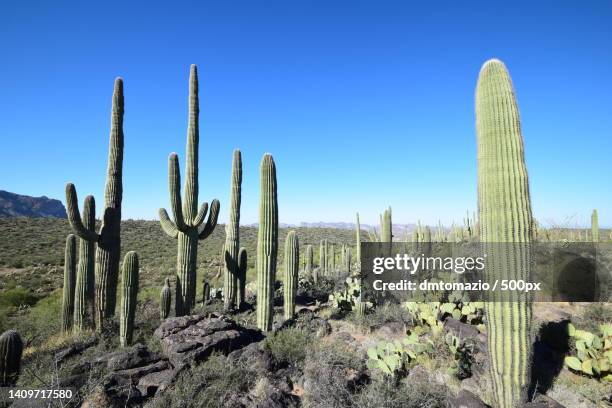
point(165, 300)
point(69, 283)
point(11, 348)
point(504, 217)
point(242, 271)
point(188, 226)
point(267, 244)
point(292, 262)
point(109, 237)
point(129, 294)
point(85, 279)
point(595, 226)
point(232, 236)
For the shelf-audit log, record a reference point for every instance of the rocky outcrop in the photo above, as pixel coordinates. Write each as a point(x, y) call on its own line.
point(16, 205)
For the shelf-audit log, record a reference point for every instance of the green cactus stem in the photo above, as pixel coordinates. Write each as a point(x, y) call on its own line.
point(189, 224)
point(69, 283)
point(267, 244)
point(292, 262)
point(332, 258)
point(129, 295)
point(109, 236)
point(232, 236)
point(322, 260)
point(309, 261)
point(504, 215)
point(165, 300)
point(11, 349)
point(242, 271)
point(595, 226)
point(85, 279)
point(358, 240)
point(205, 292)
point(386, 234)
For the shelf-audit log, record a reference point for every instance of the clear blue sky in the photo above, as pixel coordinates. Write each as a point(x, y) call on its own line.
point(362, 104)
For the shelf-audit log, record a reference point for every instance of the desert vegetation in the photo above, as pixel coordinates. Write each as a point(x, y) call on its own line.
point(241, 316)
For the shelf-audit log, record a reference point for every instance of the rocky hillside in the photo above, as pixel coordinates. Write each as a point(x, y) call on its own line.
point(17, 205)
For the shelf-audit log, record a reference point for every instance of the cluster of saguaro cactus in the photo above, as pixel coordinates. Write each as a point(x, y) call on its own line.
point(267, 243)
point(188, 226)
point(11, 348)
point(129, 295)
point(232, 236)
point(242, 271)
point(505, 218)
point(85, 279)
point(165, 300)
point(595, 226)
point(109, 237)
point(292, 262)
point(69, 283)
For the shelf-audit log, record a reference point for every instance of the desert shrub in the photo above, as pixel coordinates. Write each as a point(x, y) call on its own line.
point(288, 346)
point(17, 297)
point(211, 384)
point(411, 393)
point(380, 315)
point(597, 313)
point(326, 369)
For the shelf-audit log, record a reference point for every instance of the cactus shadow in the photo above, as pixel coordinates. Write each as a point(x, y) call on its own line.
point(549, 350)
point(578, 282)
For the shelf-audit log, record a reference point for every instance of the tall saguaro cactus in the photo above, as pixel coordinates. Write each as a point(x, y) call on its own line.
point(69, 283)
point(85, 279)
point(109, 237)
point(232, 236)
point(292, 262)
point(386, 228)
point(595, 226)
point(322, 258)
point(242, 271)
point(308, 268)
point(188, 226)
point(358, 240)
point(267, 243)
point(11, 349)
point(504, 209)
point(129, 295)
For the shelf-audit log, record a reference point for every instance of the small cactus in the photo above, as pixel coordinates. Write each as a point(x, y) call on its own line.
point(322, 260)
point(267, 244)
point(165, 300)
point(11, 348)
point(205, 292)
point(69, 283)
point(309, 261)
point(292, 259)
point(128, 299)
point(242, 270)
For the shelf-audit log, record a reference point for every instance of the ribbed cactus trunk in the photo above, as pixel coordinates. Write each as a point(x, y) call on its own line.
point(595, 226)
point(109, 237)
point(242, 271)
point(129, 296)
point(69, 283)
point(205, 292)
point(267, 244)
point(292, 262)
point(85, 279)
point(188, 226)
point(332, 258)
point(386, 234)
point(358, 240)
point(165, 300)
point(11, 349)
point(232, 236)
point(309, 261)
point(322, 261)
point(505, 218)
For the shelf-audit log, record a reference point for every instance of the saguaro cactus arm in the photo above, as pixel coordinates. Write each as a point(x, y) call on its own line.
point(174, 183)
point(74, 215)
point(199, 219)
point(167, 225)
point(211, 222)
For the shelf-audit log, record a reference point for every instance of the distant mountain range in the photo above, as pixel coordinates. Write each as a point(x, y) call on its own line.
point(17, 205)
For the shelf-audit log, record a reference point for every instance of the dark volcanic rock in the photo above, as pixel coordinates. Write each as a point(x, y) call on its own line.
point(16, 205)
point(191, 339)
point(466, 399)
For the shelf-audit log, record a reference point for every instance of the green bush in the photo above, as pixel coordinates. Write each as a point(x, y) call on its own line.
point(289, 346)
point(17, 297)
